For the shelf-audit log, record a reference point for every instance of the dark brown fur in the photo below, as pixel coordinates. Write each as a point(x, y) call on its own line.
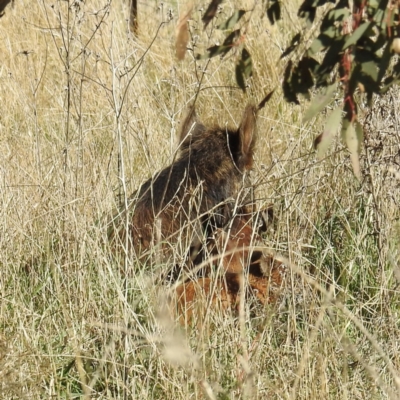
point(197, 191)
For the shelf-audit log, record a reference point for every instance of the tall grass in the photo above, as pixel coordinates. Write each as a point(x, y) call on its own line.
point(87, 114)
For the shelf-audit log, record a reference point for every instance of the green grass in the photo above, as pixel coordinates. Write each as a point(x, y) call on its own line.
point(72, 325)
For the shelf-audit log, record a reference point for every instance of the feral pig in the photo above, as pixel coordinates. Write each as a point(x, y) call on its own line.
point(233, 246)
point(196, 194)
point(247, 271)
point(195, 297)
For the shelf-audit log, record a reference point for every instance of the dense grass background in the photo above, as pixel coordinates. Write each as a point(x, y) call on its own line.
point(87, 114)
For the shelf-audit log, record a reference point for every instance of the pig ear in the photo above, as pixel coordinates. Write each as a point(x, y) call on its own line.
point(190, 126)
point(248, 135)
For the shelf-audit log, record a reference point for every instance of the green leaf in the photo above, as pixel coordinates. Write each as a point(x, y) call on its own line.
point(373, 3)
point(353, 137)
point(320, 102)
point(288, 92)
point(211, 11)
point(355, 163)
point(232, 20)
point(345, 125)
point(223, 48)
point(341, 14)
point(331, 32)
point(365, 72)
point(247, 63)
point(239, 77)
point(370, 69)
point(331, 59)
point(324, 141)
point(334, 17)
point(360, 134)
point(379, 17)
point(213, 51)
point(302, 80)
point(357, 34)
point(319, 43)
point(385, 60)
point(363, 81)
point(244, 69)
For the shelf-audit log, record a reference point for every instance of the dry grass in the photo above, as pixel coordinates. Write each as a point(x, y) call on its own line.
point(88, 113)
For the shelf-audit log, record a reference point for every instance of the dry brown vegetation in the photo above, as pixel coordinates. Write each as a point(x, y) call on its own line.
point(87, 114)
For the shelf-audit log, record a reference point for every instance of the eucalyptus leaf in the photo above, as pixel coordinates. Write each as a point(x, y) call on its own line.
point(247, 63)
point(331, 127)
point(370, 68)
point(223, 48)
point(353, 135)
point(288, 91)
point(357, 34)
point(243, 69)
point(341, 13)
point(211, 11)
point(321, 42)
point(239, 77)
point(320, 102)
point(232, 20)
point(355, 163)
point(360, 134)
point(316, 46)
point(351, 139)
point(385, 60)
point(330, 32)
